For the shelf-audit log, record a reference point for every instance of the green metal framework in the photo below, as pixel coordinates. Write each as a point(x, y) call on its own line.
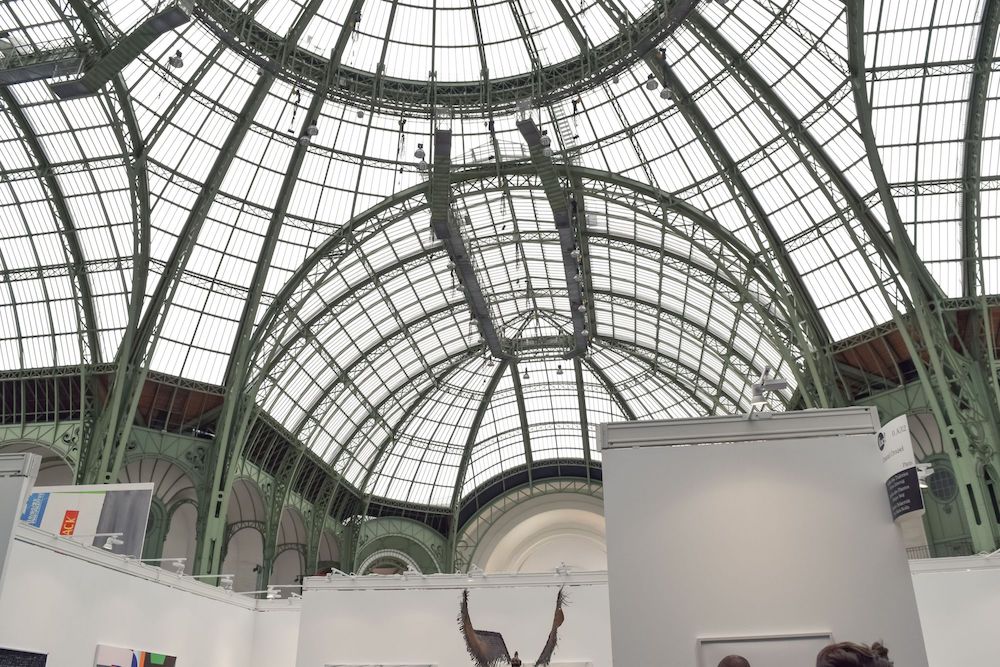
point(405, 352)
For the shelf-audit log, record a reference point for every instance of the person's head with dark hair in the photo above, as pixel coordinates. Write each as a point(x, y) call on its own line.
point(849, 654)
point(734, 661)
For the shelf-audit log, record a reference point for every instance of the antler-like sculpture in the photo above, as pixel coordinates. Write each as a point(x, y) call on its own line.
point(488, 649)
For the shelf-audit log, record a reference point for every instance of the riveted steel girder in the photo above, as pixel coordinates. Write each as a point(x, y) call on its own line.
point(544, 84)
point(95, 446)
point(581, 403)
point(610, 386)
point(972, 162)
point(559, 204)
point(84, 299)
point(126, 50)
point(446, 228)
point(522, 414)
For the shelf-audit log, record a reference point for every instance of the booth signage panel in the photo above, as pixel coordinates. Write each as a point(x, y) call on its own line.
point(901, 481)
point(93, 509)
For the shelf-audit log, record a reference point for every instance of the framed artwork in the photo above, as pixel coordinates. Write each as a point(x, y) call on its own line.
point(789, 650)
point(113, 656)
point(10, 657)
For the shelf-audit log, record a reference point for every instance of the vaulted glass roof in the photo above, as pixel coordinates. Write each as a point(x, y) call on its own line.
point(724, 208)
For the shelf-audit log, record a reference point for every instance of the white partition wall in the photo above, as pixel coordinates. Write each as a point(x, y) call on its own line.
point(766, 528)
point(17, 474)
point(392, 621)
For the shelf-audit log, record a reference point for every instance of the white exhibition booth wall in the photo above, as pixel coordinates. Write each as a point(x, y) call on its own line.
point(63, 599)
point(368, 620)
point(769, 536)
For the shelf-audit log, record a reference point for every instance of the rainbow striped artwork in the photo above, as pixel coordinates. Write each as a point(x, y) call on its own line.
point(113, 656)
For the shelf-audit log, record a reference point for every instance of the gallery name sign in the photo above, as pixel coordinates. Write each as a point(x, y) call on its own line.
point(901, 480)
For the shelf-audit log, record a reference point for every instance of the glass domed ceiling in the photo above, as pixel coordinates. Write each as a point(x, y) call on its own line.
point(731, 223)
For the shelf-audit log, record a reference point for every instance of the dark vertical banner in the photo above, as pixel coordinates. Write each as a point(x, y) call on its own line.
point(901, 481)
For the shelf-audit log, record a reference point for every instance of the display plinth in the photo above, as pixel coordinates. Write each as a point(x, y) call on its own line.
point(762, 528)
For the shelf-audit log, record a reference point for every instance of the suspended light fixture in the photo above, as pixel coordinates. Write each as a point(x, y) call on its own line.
point(547, 152)
point(578, 277)
point(559, 370)
point(525, 376)
point(666, 94)
point(176, 61)
point(545, 140)
point(575, 253)
point(361, 114)
point(584, 332)
point(582, 308)
point(419, 153)
point(651, 83)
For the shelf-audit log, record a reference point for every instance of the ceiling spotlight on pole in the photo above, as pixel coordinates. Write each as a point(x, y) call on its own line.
point(666, 94)
point(545, 139)
point(769, 383)
point(651, 83)
point(112, 542)
point(176, 61)
point(419, 153)
point(525, 376)
point(559, 370)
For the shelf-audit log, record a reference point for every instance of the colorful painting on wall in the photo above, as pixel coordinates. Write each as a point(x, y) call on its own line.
point(112, 656)
point(12, 658)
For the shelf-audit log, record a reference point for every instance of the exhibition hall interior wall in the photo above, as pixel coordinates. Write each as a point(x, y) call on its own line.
point(63, 599)
point(774, 530)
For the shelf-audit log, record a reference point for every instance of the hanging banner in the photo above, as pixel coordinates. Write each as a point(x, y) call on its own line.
point(100, 509)
point(901, 481)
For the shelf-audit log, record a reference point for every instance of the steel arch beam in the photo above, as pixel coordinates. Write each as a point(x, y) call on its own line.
point(125, 396)
point(447, 230)
point(556, 197)
point(581, 404)
point(972, 164)
point(717, 150)
point(613, 391)
point(285, 300)
point(470, 441)
point(91, 467)
point(898, 249)
point(431, 316)
point(455, 364)
point(522, 413)
point(78, 271)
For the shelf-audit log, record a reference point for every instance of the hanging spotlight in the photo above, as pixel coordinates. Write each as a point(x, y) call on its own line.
point(547, 152)
point(575, 253)
point(525, 376)
point(419, 153)
point(545, 140)
point(559, 370)
point(582, 308)
point(361, 114)
point(176, 61)
point(666, 94)
point(312, 130)
point(112, 542)
point(422, 165)
point(651, 83)
point(584, 332)
point(615, 79)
